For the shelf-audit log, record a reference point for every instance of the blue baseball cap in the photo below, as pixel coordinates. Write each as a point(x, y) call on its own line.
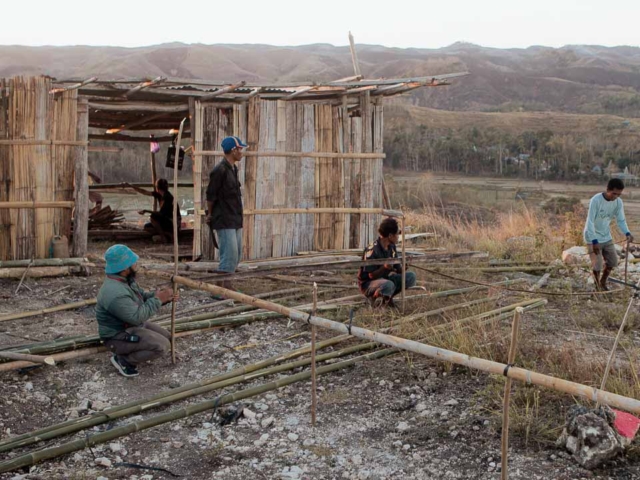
point(230, 143)
point(119, 258)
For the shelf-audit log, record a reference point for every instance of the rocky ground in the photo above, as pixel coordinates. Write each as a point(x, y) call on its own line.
point(401, 417)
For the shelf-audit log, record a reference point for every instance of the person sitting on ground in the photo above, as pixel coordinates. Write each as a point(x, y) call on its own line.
point(380, 283)
point(161, 222)
point(123, 311)
point(603, 208)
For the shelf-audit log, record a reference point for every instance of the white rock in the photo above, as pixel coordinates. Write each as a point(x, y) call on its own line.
point(451, 403)
point(492, 464)
point(291, 473)
point(397, 443)
point(28, 386)
point(115, 447)
point(267, 422)
point(103, 462)
point(403, 427)
point(308, 442)
point(261, 406)
point(102, 478)
point(575, 256)
point(248, 413)
point(146, 477)
point(293, 437)
point(421, 407)
point(356, 460)
point(406, 447)
point(263, 439)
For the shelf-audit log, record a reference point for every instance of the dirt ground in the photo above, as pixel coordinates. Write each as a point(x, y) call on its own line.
point(401, 417)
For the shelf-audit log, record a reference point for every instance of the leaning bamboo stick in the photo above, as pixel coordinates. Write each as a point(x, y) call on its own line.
point(489, 366)
point(45, 311)
point(137, 406)
point(507, 394)
point(176, 252)
point(28, 358)
point(49, 453)
point(313, 358)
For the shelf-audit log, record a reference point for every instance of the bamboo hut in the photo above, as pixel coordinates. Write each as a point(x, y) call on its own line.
point(311, 146)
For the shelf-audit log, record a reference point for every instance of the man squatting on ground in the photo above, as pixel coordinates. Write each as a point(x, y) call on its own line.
point(224, 206)
point(380, 283)
point(123, 311)
point(603, 208)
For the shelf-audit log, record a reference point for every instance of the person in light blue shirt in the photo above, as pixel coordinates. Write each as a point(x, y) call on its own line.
point(603, 208)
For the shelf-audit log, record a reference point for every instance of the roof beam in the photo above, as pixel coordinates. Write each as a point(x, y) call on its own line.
point(136, 123)
point(221, 91)
point(138, 107)
point(73, 87)
point(144, 85)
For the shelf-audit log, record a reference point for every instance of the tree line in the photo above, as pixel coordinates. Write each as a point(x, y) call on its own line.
point(533, 154)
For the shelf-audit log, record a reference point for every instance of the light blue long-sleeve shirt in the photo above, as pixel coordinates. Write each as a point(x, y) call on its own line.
point(601, 213)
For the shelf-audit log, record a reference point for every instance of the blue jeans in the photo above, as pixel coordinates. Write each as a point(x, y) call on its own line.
point(389, 287)
point(230, 244)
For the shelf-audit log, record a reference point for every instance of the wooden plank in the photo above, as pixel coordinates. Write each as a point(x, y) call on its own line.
point(240, 112)
point(35, 205)
point(139, 107)
point(294, 127)
point(347, 170)
point(279, 166)
point(356, 222)
point(263, 226)
point(5, 173)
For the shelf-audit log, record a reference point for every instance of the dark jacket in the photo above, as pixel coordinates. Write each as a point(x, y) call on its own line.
point(224, 192)
point(374, 272)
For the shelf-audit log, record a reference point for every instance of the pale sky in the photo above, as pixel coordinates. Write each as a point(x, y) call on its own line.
point(409, 23)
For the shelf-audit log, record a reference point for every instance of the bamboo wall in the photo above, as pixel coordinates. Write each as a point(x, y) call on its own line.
point(270, 182)
point(38, 138)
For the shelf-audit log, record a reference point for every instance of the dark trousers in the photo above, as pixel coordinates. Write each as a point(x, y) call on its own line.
point(154, 342)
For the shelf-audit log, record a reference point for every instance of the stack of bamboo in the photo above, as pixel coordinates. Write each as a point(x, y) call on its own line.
point(105, 218)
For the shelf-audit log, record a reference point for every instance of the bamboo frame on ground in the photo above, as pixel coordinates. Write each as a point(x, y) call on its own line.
point(489, 366)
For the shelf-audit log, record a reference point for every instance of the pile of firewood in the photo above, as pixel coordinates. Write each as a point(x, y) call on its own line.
point(105, 218)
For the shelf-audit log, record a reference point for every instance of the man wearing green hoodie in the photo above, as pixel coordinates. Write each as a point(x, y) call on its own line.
point(123, 311)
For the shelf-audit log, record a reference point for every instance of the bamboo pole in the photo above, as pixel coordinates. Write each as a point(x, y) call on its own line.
point(626, 261)
point(313, 358)
point(176, 252)
point(489, 366)
point(44, 262)
point(34, 204)
point(57, 357)
point(81, 194)
point(99, 438)
point(248, 372)
point(28, 358)
point(515, 328)
point(404, 265)
point(254, 153)
point(44, 311)
point(612, 355)
point(41, 272)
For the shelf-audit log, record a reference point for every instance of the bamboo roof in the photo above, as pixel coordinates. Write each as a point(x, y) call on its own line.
point(160, 103)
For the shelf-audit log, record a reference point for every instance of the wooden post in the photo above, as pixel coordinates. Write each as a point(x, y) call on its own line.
point(404, 263)
point(81, 217)
point(175, 243)
point(314, 400)
point(504, 474)
point(154, 179)
point(28, 358)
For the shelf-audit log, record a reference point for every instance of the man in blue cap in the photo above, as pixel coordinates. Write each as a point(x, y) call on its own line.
point(123, 311)
point(224, 206)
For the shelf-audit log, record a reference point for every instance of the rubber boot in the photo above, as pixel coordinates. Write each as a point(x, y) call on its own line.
point(603, 280)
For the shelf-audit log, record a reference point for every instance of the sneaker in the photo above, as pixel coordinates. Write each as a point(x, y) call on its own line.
point(124, 367)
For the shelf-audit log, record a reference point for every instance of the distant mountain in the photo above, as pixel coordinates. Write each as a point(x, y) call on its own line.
point(574, 79)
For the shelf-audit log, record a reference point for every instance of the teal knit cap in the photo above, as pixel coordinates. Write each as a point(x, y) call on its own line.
point(119, 258)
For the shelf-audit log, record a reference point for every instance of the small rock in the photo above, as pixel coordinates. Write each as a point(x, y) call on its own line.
point(261, 406)
point(406, 447)
point(451, 403)
point(397, 444)
point(28, 386)
point(308, 442)
point(403, 427)
point(293, 437)
point(421, 407)
point(102, 478)
point(492, 464)
point(174, 384)
point(103, 462)
point(248, 414)
point(356, 460)
point(291, 473)
point(115, 447)
point(146, 477)
point(263, 439)
point(267, 422)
